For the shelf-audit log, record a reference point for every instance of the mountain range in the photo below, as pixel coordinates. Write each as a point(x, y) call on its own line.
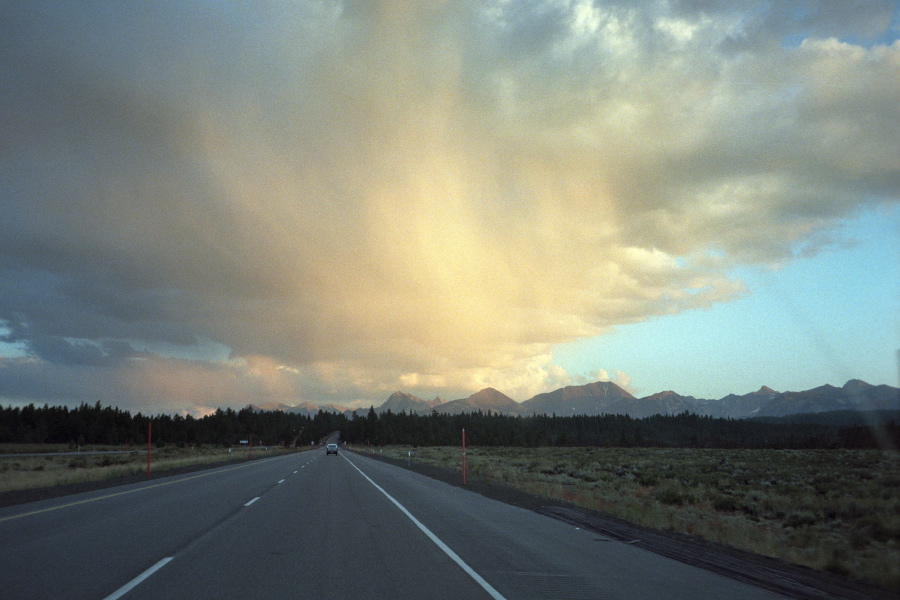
point(605, 397)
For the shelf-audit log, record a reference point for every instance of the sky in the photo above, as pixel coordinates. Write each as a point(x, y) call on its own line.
point(208, 205)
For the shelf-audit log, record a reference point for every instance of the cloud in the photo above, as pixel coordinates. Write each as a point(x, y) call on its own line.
point(358, 196)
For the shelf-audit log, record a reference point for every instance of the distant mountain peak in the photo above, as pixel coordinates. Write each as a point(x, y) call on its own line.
point(856, 384)
point(603, 389)
point(666, 394)
point(490, 396)
point(402, 401)
point(487, 399)
point(766, 390)
point(589, 399)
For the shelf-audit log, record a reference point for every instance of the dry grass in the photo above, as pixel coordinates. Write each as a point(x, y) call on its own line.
point(27, 472)
point(834, 510)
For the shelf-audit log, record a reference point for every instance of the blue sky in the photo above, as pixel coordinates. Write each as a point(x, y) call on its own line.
point(818, 320)
point(205, 205)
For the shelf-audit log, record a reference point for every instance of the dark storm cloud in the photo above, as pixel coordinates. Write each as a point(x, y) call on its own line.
point(354, 196)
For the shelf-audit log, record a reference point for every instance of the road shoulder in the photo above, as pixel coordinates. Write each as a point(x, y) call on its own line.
point(773, 574)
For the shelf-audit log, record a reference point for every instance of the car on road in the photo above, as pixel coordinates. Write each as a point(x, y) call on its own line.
point(331, 449)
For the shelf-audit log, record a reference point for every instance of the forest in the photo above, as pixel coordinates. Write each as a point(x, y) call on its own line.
point(686, 430)
point(95, 424)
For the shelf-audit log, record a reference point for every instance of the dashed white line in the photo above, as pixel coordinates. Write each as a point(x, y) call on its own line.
point(134, 582)
point(282, 481)
point(252, 501)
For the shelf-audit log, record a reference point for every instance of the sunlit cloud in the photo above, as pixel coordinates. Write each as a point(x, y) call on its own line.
point(349, 198)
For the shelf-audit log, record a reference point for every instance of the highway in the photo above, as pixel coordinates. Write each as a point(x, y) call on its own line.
point(309, 525)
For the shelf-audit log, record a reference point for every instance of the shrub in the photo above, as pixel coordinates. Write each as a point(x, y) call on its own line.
point(725, 504)
point(800, 519)
point(647, 480)
point(672, 496)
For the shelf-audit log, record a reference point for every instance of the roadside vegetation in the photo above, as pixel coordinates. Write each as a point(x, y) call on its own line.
point(19, 472)
point(832, 510)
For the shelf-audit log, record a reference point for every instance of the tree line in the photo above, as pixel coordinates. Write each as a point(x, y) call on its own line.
point(686, 430)
point(95, 424)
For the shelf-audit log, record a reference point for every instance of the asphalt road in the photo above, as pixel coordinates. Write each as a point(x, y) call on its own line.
point(315, 526)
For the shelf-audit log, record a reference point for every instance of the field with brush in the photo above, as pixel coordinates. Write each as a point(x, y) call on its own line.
point(832, 510)
point(24, 466)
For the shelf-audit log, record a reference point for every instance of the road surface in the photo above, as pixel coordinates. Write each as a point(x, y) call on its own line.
point(314, 526)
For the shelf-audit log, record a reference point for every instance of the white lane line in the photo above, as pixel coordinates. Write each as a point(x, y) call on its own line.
point(137, 580)
point(453, 555)
point(295, 472)
point(252, 501)
point(282, 481)
point(131, 491)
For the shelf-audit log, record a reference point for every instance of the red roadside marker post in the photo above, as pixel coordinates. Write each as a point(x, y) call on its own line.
point(464, 454)
point(149, 437)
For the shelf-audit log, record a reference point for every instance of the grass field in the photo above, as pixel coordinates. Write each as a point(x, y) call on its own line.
point(834, 510)
point(19, 472)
